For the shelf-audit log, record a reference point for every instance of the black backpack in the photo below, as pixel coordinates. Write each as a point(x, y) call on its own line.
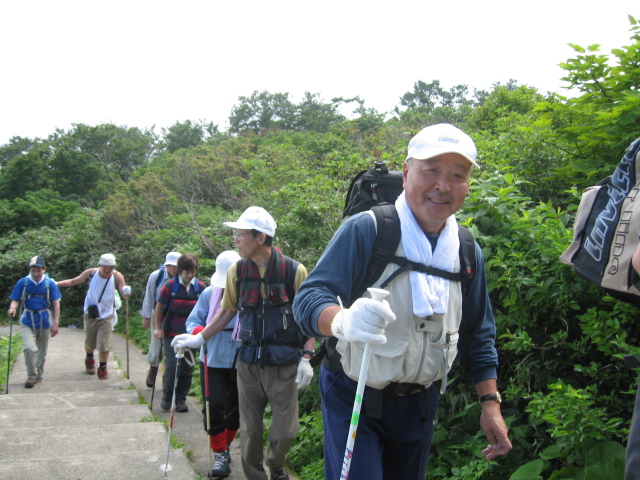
point(605, 231)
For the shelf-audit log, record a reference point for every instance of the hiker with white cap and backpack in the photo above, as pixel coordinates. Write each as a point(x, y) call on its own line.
point(157, 280)
point(39, 297)
point(99, 310)
point(218, 376)
point(429, 317)
point(273, 361)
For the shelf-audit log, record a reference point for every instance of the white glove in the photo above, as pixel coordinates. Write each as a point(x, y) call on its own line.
point(364, 322)
point(187, 341)
point(305, 373)
point(126, 290)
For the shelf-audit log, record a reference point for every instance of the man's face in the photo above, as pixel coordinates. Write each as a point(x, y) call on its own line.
point(172, 270)
point(36, 273)
point(187, 275)
point(245, 242)
point(436, 188)
point(105, 270)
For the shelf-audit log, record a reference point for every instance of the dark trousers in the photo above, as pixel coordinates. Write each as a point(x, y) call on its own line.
point(185, 374)
point(224, 412)
point(393, 447)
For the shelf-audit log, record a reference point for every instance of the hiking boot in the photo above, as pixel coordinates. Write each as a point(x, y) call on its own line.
point(221, 467)
point(165, 403)
point(151, 376)
point(280, 475)
point(226, 454)
point(181, 406)
point(30, 382)
point(90, 365)
point(102, 373)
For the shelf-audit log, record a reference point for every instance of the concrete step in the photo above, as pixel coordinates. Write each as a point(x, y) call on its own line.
point(85, 416)
point(60, 400)
point(95, 465)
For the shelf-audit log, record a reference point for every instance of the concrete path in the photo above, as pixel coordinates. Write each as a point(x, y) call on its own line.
point(73, 426)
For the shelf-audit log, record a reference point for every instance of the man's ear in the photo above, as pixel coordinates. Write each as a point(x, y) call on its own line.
point(262, 238)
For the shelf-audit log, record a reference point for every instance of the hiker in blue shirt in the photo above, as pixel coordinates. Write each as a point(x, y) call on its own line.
point(40, 298)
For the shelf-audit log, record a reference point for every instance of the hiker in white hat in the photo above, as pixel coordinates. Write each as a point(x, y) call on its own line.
point(217, 370)
point(157, 280)
point(38, 297)
point(99, 310)
point(273, 362)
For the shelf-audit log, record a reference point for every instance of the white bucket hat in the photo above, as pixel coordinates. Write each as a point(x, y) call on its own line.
point(223, 263)
point(108, 259)
point(172, 258)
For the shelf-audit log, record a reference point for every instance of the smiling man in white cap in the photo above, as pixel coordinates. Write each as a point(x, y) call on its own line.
point(99, 309)
point(416, 333)
point(273, 361)
point(156, 281)
point(40, 299)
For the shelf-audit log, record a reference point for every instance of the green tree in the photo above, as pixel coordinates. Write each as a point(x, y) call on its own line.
point(23, 174)
point(117, 150)
point(429, 103)
point(316, 116)
point(262, 111)
point(17, 146)
point(187, 134)
point(504, 101)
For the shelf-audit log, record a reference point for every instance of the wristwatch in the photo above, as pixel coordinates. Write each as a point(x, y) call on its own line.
point(492, 396)
point(308, 352)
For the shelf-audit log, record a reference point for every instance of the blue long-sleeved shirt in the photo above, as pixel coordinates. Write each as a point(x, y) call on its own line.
point(221, 348)
point(341, 268)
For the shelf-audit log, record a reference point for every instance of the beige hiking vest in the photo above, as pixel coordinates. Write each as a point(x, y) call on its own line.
point(418, 349)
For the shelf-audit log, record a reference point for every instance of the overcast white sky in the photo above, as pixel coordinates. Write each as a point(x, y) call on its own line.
point(143, 63)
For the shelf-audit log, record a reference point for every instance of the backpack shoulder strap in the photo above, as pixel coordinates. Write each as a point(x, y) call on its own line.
point(385, 246)
point(160, 276)
point(47, 284)
point(290, 269)
point(174, 290)
point(467, 256)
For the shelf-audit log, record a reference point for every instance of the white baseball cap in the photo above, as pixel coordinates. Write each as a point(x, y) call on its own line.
point(255, 218)
point(172, 258)
point(440, 139)
point(223, 263)
point(107, 259)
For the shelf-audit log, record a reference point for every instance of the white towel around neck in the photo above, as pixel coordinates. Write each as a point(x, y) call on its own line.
point(430, 294)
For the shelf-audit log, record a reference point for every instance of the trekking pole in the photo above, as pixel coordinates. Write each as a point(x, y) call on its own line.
point(9, 358)
point(179, 356)
point(206, 402)
point(126, 303)
point(153, 390)
point(377, 294)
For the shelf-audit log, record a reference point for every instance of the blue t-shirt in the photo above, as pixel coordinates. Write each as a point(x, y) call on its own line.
point(36, 304)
